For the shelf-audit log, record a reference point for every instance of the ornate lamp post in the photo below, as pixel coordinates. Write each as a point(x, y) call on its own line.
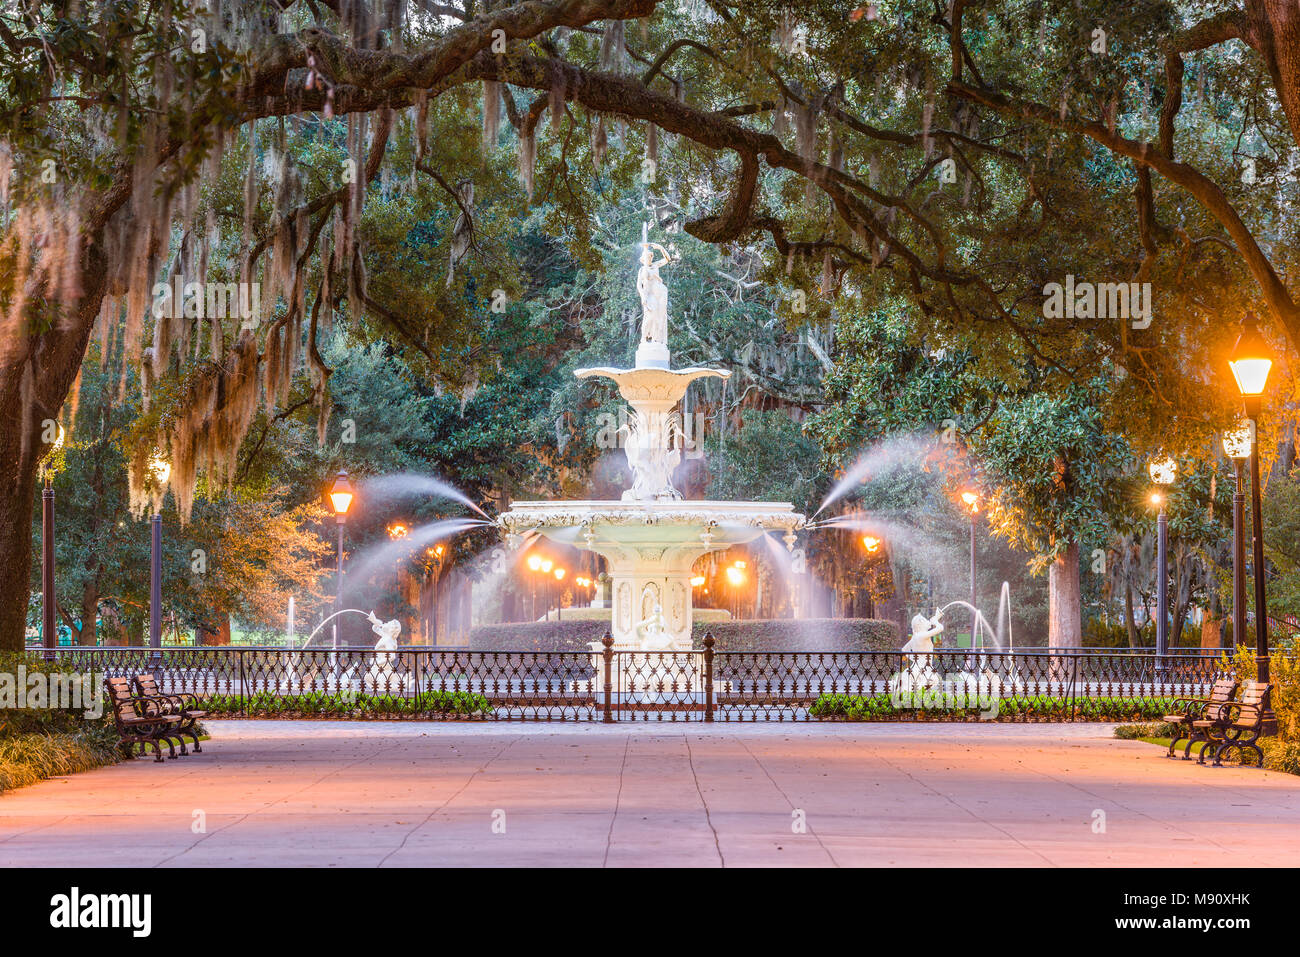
point(341, 495)
point(161, 470)
point(396, 532)
point(1237, 445)
point(435, 553)
point(735, 579)
point(1250, 361)
point(1162, 472)
point(49, 608)
point(534, 564)
point(972, 501)
point(559, 594)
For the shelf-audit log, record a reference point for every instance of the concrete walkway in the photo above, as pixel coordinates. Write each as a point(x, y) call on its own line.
point(393, 794)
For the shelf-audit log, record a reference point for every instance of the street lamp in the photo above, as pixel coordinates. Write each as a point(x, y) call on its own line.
point(1237, 445)
point(1250, 361)
point(435, 554)
point(534, 564)
point(161, 470)
point(559, 595)
point(972, 501)
point(1162, 472)
point(48, 607)
point(341, 495)
point(735, 578)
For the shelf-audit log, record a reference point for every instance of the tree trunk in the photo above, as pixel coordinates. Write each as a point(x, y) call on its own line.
point(48, 363)
point(1064, 606)
point(1130, 626)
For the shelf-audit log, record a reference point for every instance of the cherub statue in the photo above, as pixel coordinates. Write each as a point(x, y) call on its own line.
point(919, 648)
point(387, 632)
point(653, 631)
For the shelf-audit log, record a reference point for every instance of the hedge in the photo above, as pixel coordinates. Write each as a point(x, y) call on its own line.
point(1031, 708)
point(754, 635)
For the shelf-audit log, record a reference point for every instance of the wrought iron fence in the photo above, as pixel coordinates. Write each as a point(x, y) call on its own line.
point(608, 685)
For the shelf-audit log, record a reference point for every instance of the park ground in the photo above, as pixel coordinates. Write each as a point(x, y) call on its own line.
point(317, 793)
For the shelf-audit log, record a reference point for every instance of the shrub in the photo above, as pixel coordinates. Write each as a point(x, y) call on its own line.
point(1032, 708)
point(33, 756)
point(1284, 674)
point(1151, 729)
point(266, 704)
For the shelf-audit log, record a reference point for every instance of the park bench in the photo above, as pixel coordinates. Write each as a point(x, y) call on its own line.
point(1243, 723)
point(181, 703)
point(140, 720)
point(1186, 712)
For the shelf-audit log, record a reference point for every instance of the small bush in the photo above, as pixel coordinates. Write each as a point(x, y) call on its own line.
point(34, 756)
point(1151, 729)
point(265, 704)
point(1033, 708)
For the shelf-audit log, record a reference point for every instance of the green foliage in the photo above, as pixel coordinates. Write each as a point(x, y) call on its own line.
point(1024, 708)
point(34, 756)
point(266, 704)
point(1283, 674)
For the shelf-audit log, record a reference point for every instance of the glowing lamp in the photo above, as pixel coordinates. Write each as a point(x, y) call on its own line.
point(341, 495)
point(1250, 359)
point(1162, 471)
point(1236, 444)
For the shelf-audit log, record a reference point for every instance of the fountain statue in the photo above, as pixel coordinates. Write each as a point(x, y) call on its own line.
point(920, 646)
point(651, 537)
point(652, 632)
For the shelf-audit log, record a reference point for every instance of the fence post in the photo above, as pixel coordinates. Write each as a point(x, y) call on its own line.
point(243, 694)
point(708, 676)
point(608, 655)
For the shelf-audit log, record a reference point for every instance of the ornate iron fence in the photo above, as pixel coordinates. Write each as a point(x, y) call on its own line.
point(609, 685)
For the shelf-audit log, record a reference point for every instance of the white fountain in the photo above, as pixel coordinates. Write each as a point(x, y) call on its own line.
point(651, 537)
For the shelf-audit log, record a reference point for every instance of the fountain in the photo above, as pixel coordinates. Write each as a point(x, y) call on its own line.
point(651, 537)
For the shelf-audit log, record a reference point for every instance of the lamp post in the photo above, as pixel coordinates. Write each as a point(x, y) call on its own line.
point(972, 501)
point(1250, 361)
point(1162, 472)
point(396, 532)
point(735, 579)
point(435, 553)
point(341, 495)
point(1237, 445)
point(161, 470)
point(559, 594)
point(534, 564)
point(49, 609)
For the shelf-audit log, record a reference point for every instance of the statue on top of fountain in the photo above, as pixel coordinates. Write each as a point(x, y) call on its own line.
point(652, 352)
point(654, 294)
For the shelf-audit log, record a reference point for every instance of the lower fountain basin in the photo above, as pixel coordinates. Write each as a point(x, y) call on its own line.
point(649, 547)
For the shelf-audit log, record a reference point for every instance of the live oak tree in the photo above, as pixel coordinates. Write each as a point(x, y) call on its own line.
point(961, 158)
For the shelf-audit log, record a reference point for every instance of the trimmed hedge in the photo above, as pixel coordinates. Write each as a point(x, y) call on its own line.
point(1032, 708)
point(335, 705)
point(754, 635)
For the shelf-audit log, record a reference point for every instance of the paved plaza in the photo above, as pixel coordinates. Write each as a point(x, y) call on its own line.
point(391, 794)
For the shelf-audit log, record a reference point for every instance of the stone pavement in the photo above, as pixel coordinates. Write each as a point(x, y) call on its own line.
point(364, 794)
